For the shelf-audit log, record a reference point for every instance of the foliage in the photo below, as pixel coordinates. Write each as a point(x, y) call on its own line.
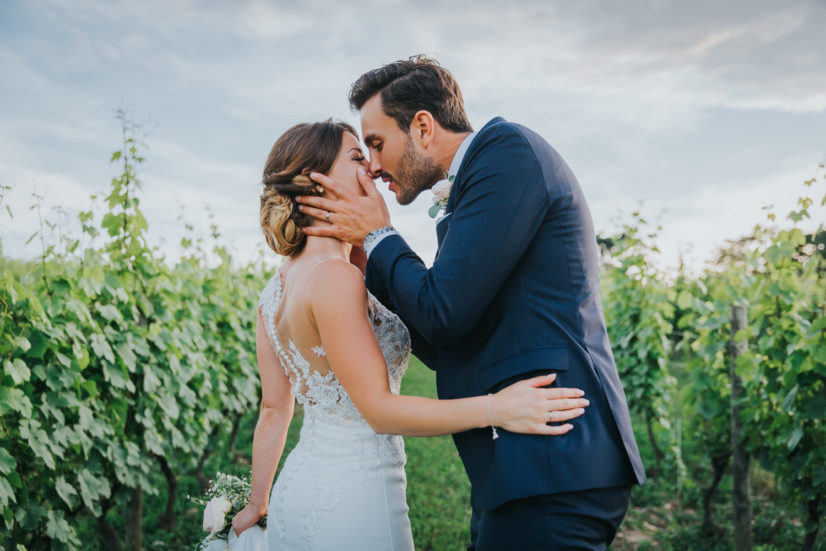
point(778, 274)
point(115, 367)
point(638, 310)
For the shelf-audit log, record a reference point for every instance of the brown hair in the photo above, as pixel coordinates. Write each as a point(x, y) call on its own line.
point(304, 148)
point(407, 86)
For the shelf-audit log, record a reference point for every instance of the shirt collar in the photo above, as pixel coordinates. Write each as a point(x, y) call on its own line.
point(460, 155)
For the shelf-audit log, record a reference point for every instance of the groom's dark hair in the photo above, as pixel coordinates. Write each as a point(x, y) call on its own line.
point(411, 85)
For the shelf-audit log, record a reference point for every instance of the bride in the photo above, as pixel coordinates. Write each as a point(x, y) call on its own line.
point(324, 341)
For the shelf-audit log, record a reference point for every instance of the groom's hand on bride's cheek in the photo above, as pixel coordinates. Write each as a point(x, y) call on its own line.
point(349, 217)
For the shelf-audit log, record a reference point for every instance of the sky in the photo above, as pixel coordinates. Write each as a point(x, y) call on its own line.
point(696, 113)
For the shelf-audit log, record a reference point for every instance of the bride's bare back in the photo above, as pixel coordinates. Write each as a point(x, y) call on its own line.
point(286, 309)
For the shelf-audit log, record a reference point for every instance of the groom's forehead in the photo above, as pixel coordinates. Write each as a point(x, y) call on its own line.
point(375, 123)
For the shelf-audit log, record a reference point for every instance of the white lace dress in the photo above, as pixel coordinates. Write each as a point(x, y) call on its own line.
point(343, 486)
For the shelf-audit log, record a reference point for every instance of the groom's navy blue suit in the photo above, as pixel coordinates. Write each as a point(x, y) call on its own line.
point(514, 292)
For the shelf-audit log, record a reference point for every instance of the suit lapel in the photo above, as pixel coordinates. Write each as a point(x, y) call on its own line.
point(444, 222)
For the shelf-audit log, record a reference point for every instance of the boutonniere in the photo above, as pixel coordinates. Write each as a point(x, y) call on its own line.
point(441, 193)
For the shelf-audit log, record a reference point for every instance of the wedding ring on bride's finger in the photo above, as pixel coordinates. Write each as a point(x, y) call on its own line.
point(551, 416)
point(327, 217)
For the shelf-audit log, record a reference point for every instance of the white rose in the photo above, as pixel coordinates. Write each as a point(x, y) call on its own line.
point(215, 514)
point(441, 190)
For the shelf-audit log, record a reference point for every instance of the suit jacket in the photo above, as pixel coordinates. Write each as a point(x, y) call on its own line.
point(514, 292)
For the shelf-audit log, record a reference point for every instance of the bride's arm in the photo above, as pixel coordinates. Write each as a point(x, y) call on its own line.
point(338, 302)
point(270, 432)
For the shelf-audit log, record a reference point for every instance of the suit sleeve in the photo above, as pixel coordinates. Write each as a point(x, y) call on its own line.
point(500, 205)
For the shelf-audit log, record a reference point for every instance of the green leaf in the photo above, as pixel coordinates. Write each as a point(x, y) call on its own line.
point(746, 366)
point(22, 343)
point(58, 377)
point(125, 353)
point(434, 211)
point(66, 491)
point(7, 462)
point(110, 313)
point(91, 388)
point(101, 347)
point(38, 441)
point(91, 489)
point(794, 438)
point(169, 404)
point(13, 399)
point(111, 223)
point(38, 345)
point(63, 359)
point(29, 517)
point(81, 354)
point(114, 375)
point(150, 381)
point(18, 370)
point(57, 528)
point(788, 401)
point(6, 494)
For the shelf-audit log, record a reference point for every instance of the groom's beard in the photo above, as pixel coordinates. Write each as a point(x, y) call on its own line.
point(415, 174)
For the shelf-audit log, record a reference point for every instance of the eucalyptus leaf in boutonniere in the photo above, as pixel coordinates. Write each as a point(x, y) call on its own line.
point(441, 193)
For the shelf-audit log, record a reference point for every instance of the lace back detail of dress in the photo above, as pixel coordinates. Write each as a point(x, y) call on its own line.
point(314, 384)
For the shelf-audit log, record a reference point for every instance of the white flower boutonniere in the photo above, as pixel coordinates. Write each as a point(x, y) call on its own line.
point(441, 193)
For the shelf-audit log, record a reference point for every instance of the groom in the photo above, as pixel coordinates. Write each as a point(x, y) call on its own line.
point(513, 292)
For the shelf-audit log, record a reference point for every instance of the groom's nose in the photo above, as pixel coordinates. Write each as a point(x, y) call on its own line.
point(375, 166)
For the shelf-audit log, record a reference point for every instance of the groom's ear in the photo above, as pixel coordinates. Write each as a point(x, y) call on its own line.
point(423, 128)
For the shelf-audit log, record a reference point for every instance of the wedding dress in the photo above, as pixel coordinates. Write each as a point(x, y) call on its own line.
point(343, 486)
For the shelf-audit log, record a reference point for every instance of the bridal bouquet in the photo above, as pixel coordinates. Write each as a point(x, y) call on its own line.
point(225, 497)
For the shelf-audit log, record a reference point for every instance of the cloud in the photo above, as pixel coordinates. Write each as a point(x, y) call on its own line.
point(644, 99)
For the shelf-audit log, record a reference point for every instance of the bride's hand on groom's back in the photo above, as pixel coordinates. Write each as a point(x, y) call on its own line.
point(527, 408)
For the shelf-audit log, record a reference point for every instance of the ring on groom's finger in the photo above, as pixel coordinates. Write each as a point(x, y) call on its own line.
point(551, 416)
point(327, 217)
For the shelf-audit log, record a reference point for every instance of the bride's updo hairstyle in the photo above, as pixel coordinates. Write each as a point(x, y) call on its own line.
point(304, 148)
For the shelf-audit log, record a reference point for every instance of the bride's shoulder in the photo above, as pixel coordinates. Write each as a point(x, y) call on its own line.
point(336, 273)
point(336, 281)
